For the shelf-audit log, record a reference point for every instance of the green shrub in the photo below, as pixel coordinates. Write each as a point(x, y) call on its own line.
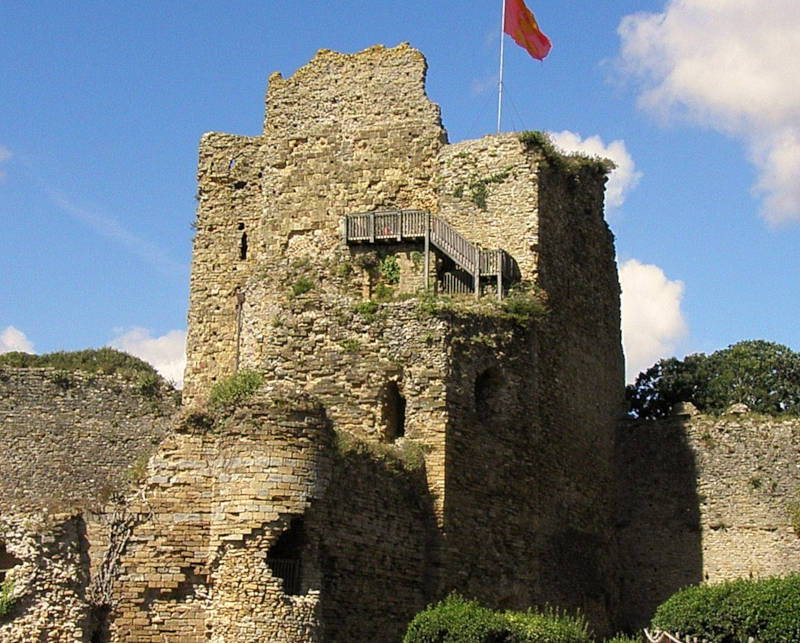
point(794, 515)
point(149, 384)
point(766, 610)
point(6, 597)
point(456, 619)
point(548, 626)
point(390, 269)
point(227, 393)
point(383, 292)
point(351, 345)
point(624, 638)
point(523, 307)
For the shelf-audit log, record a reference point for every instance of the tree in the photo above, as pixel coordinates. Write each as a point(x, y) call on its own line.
point(763, 375)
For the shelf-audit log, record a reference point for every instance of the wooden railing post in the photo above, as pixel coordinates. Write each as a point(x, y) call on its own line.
point(427, 249)
point(499, 266)
point(476, 279)
point(372, 227)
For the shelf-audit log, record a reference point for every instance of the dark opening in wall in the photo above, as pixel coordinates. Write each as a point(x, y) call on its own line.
point(239, 185)
point(7, 561)
point(243, 247)
point(285, 557)
point(488, 388)
point(393, 412)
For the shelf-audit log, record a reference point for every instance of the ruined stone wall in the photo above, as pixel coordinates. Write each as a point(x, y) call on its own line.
point(229, 193)
point(70, 439)
point(49, 579)
point(345, 133)
point(704, 499)
point(516, 423)
point(500, 170)
point(219, 498)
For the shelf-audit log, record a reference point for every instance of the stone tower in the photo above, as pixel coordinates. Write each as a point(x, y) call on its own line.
point(511, 410)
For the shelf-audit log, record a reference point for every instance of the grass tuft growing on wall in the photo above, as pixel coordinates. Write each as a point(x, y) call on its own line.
point(226, 394)
point(6, 597)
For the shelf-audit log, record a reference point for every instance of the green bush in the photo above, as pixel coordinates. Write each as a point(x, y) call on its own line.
point(766, 610)
point(523, 307)
point(6, 597)
point(794, 515)
point(367, 309)
point(227, 393)
point(457, 620)
point(548, 626)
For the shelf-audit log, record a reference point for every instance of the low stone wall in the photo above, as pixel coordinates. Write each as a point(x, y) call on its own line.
point(704, 499)
point(70, 439)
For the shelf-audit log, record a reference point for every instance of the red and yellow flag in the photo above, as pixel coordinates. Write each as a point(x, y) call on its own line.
point(520, 24)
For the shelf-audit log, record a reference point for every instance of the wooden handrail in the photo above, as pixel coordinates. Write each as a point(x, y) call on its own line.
point(407, 225)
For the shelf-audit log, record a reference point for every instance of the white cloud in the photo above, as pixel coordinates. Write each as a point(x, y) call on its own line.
point(731, 65)
point(652, 321)
point(5, 154)
point(621, 180)
point(167, 353)
point(12, 339)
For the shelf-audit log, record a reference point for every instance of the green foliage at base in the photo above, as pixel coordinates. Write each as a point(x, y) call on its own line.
point(105, 361)
point(6, 597)
point(762, 375)
point(767, 610)
point(226, 394)
point(457, 620)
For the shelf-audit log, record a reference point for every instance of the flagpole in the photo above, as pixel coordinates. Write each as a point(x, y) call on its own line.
point(500, 84)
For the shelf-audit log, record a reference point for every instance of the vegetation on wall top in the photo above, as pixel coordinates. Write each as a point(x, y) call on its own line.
point(564, 162)
point(105, 361)
point(760, 374)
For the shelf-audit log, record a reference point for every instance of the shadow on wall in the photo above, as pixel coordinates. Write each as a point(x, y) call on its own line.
point(658, 529)
point(375, 529)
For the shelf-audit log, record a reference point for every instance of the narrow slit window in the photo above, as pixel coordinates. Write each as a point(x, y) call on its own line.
point(243, 247)
point(393, 411)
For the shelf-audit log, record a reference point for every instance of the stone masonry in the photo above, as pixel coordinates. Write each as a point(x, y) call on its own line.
point(402, 444)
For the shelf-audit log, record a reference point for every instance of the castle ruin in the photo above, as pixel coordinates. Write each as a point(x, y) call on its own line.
point(438, 330)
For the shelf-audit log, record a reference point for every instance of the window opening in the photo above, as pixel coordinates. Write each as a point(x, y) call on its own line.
point(285, 557)
point(393, 412)
point(7, 561)
point(487, 393)
point(243, 247)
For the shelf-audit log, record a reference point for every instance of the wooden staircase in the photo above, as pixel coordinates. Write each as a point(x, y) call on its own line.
point(402, 226)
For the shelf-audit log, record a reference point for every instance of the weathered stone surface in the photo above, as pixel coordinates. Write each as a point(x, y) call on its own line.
point(704, 499)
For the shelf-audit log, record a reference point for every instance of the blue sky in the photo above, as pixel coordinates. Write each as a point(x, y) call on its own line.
point(102, 105)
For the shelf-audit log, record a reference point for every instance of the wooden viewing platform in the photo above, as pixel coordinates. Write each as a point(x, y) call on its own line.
point(399, 226)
